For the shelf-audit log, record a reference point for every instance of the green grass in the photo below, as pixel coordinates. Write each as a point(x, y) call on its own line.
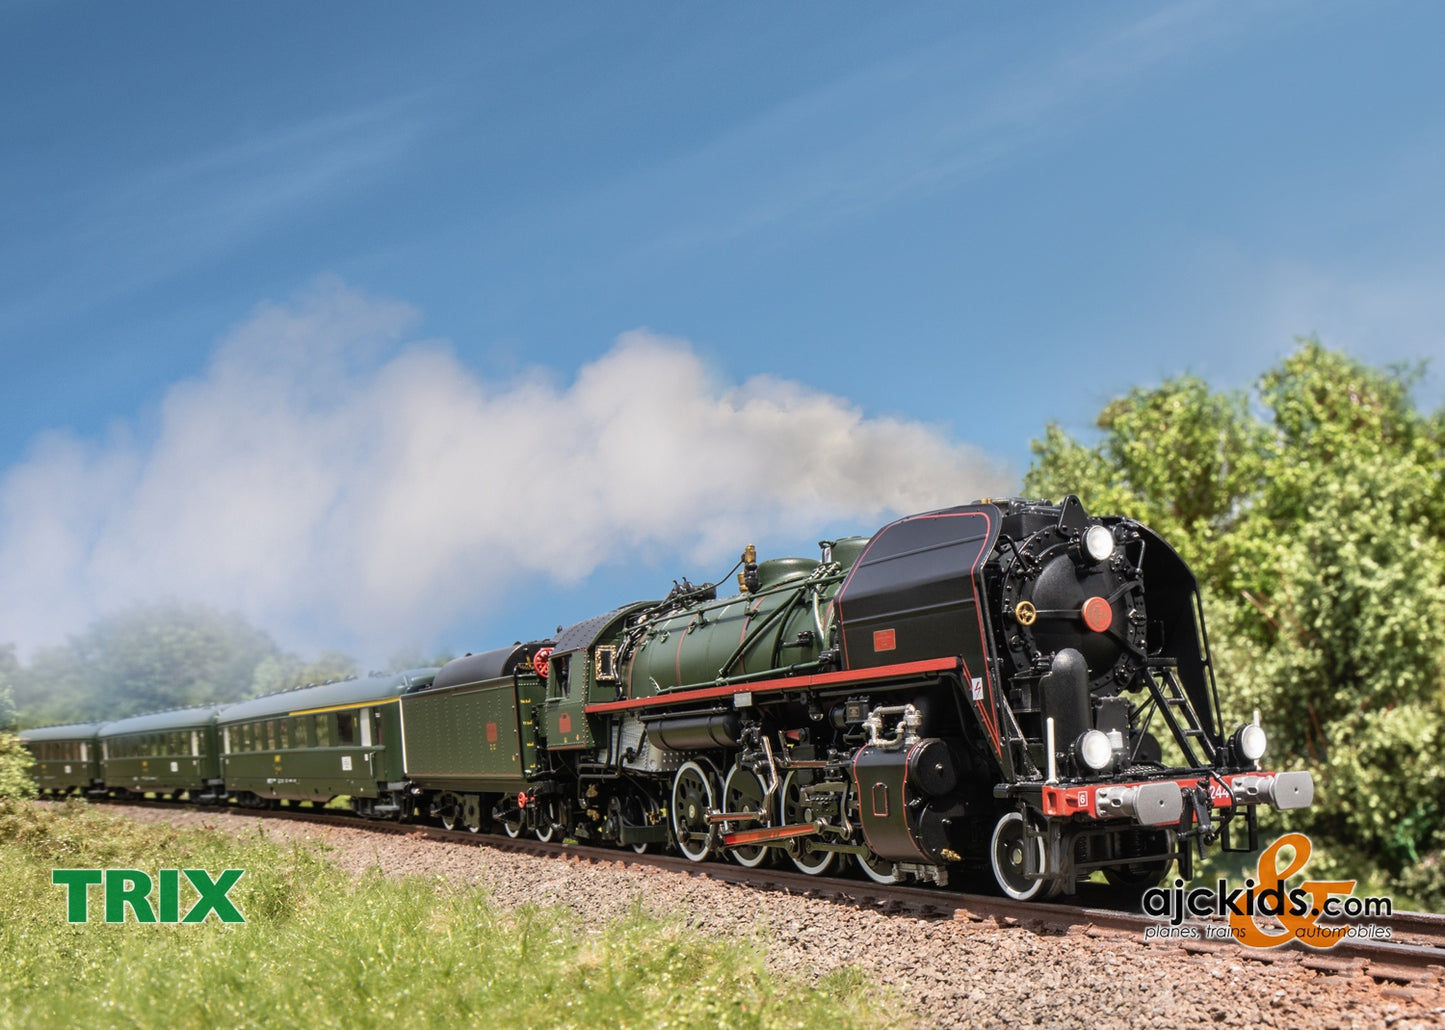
point(324, 949)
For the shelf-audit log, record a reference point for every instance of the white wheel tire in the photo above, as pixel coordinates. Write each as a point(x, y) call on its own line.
point(545, 817)
point(685, 813)
point(865, 863)
point(1006, 854)
point(816, 863)
point(753, 861)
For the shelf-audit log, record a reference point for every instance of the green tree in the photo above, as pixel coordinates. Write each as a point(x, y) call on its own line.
point(14, 758)
point(1178, 458)
point(9, 669)
point(1318, 532)
point(283, 671)
point(146, 658)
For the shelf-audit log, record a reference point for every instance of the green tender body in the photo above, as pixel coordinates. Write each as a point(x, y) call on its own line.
point(473, 737)
point(67, 758)
point(318, 743)
point(161, 753)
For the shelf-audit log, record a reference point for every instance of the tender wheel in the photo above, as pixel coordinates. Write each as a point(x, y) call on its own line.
point(549, 821)
point(692, 798)
point(1007, 854)
point(805, 856)
point(449, 810)
point(512, 822)
point(470, 813)
point(744, 792)
point(879, 870)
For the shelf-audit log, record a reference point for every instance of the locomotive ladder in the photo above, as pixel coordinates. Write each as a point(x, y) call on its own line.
point(1180, 716)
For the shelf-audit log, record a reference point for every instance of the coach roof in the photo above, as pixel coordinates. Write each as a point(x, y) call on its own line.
point(155, 722)
point(70, 731)
point(344, 694)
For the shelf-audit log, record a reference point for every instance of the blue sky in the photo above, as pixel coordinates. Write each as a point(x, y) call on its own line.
point(841, 232)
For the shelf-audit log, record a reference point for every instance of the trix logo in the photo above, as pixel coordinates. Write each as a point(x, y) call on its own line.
point(132, 887)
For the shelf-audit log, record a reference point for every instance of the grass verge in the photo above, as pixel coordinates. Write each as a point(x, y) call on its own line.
point(323, 949)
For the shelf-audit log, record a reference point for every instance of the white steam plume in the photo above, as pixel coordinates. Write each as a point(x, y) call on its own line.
point(327, 489)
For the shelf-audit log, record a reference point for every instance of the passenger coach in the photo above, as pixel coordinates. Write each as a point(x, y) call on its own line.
point(164, 753)
point(318, 743)
point(67, 758)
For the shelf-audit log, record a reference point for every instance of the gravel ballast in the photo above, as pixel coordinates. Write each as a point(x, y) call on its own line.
point(950, 973)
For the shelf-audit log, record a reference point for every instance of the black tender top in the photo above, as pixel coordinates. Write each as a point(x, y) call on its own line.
point(474, 668)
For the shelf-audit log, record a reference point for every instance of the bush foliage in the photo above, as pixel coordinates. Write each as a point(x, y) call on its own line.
point(1314, 515)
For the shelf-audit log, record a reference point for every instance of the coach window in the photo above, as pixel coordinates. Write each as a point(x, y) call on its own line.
point(345, 728)
point(364, 718)
point(270, 735)
point(284, 731)
point(377, 723)
point(323, 731)
point(301, 740)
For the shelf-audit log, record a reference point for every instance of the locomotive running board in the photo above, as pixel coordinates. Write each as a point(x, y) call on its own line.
point(769, 834)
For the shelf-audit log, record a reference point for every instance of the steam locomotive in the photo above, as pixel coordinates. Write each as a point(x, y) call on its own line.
point(1013, 689)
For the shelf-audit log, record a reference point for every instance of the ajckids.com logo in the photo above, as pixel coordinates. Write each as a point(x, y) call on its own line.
point(122, 889)
point(1265, 913)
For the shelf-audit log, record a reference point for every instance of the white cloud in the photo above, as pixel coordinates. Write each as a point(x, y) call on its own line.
point(319, 476)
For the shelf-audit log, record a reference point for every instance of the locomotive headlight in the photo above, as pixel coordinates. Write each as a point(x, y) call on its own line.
point(1250, 741)
point(1094, 749)
point(1098, 543)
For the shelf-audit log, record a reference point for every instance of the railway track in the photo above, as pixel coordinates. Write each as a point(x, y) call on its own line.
point(1414, 954)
